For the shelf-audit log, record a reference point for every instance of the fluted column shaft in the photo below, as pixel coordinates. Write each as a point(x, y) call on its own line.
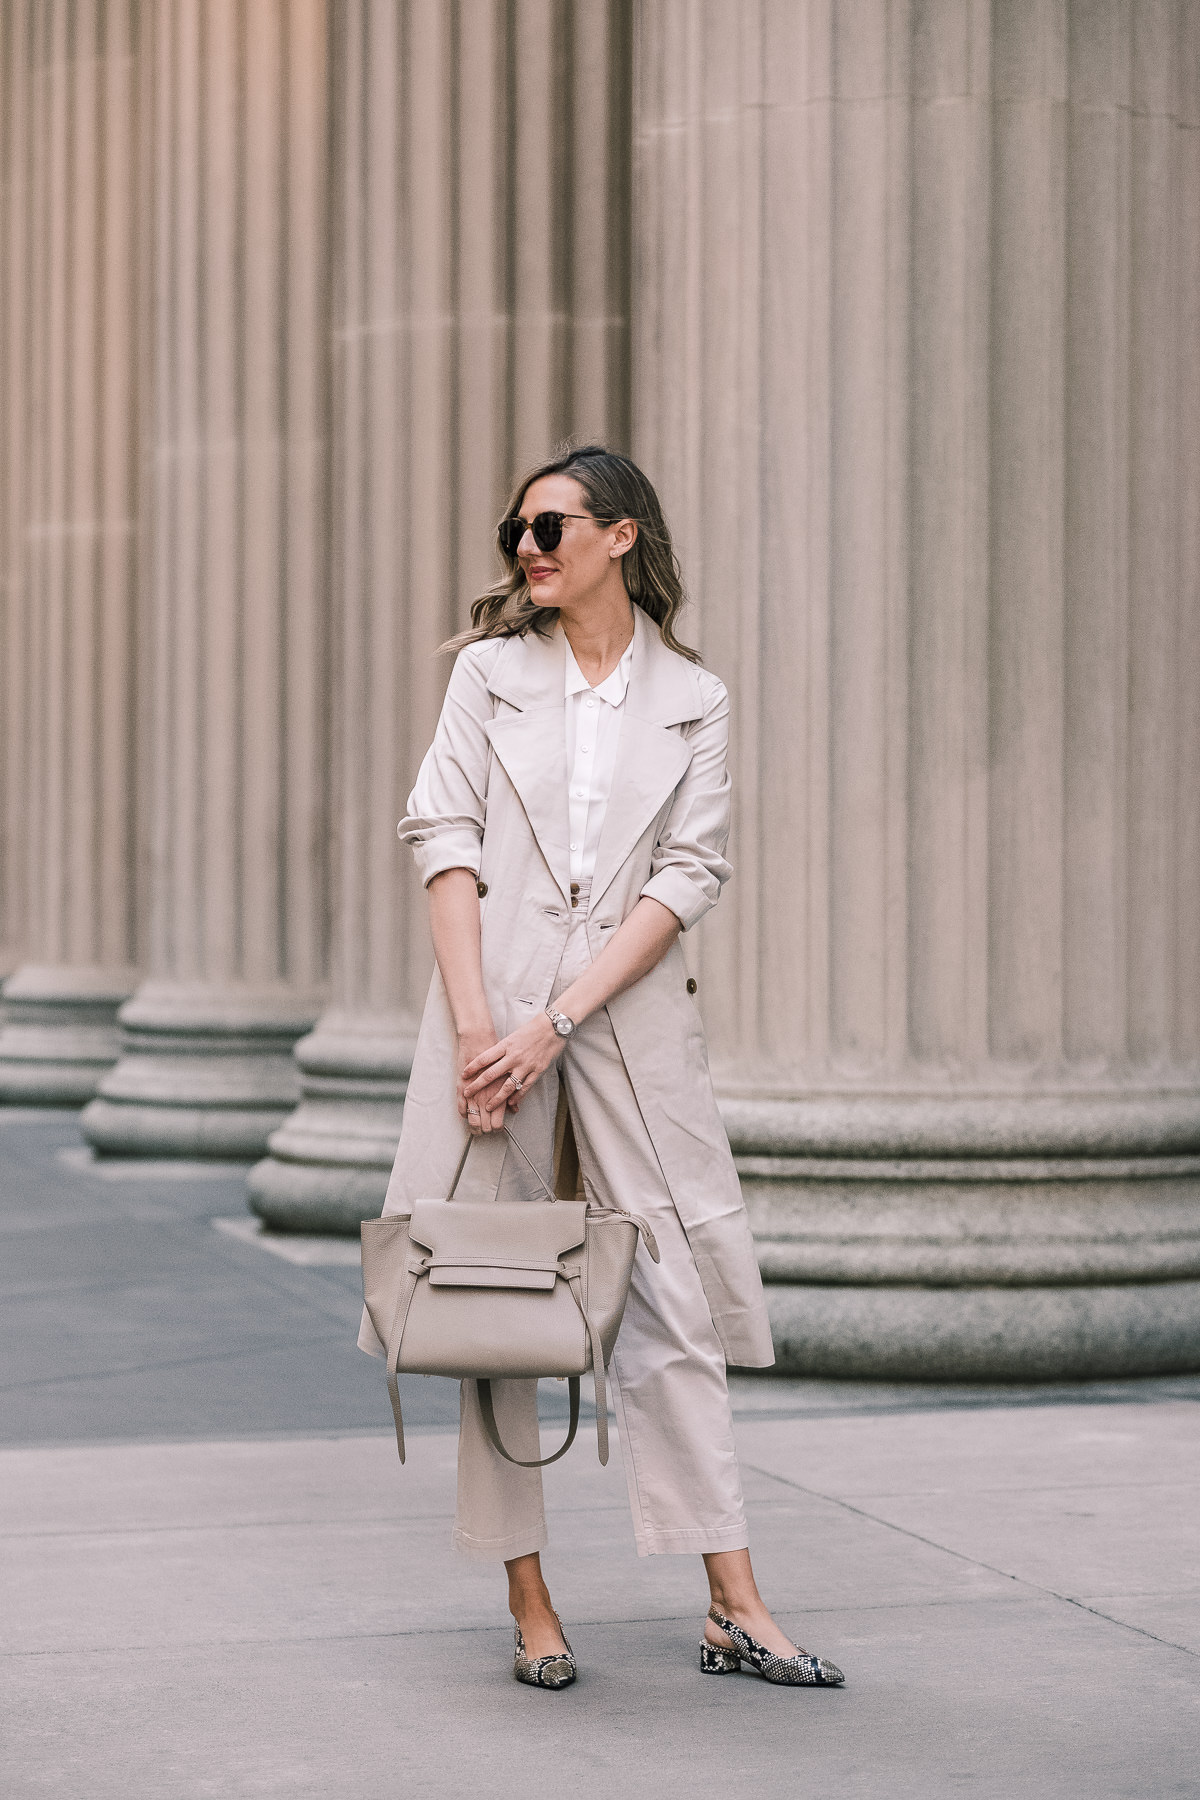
point(235, 603)
point(480, 315)
point(14, 356)
point(928, 438)
point(71, 486)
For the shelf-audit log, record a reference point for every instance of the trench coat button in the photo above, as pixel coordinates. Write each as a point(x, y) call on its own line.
point(481, 888)
point(692, 984)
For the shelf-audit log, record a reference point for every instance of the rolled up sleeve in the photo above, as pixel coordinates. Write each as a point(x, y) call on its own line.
point(444, 823)
point(688, 867)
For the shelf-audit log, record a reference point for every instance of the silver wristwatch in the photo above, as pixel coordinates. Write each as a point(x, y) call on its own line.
point(560, 1022)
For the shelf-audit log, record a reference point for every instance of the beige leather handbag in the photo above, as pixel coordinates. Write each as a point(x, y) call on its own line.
point(501, 1288)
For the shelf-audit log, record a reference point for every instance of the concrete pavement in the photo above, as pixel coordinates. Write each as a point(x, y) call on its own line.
point(219, 1582)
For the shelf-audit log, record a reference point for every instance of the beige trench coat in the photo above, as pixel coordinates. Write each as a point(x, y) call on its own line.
point(491, 797)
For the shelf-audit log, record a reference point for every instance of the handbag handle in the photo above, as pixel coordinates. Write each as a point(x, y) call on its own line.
point(462, 1163)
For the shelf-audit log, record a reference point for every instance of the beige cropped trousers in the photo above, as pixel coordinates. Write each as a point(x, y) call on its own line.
point(667, 1374)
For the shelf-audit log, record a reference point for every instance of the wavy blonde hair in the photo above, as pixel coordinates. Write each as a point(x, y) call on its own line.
point(613, 488)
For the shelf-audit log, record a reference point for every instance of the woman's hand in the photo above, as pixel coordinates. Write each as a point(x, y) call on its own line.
point(496, 1075)
point(483, 1111)
point(510, 1068)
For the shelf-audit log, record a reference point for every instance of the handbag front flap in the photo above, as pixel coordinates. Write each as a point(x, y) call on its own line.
point(497, 1243)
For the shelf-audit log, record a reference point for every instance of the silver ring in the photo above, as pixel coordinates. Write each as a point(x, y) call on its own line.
point(472, 1112)
point(516, 1082)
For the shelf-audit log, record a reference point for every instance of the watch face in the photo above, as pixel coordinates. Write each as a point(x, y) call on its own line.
point(563, 1026)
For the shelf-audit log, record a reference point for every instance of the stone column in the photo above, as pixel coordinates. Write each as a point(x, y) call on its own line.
point(70, 487)
point(235, 602)
point(917, 365)
point(480, 315)
point(14, 356)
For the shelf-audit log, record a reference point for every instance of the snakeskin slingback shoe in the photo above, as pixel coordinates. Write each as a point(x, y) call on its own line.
point(786, 1671)
point(557, 1671)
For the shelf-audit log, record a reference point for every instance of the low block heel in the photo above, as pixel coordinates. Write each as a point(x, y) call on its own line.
point(716, 1661)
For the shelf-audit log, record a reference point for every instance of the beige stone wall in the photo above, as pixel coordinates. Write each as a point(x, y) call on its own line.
point(930, 448)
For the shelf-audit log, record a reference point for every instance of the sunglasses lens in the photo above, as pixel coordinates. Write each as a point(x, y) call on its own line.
point(547, 531)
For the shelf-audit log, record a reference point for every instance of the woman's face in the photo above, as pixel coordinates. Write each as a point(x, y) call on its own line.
point(584, 562)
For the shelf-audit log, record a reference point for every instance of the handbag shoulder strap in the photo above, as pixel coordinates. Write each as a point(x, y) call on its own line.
point(488, 1412)
point(601, 1393)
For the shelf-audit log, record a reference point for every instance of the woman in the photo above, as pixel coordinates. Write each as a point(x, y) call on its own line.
point(569, 820)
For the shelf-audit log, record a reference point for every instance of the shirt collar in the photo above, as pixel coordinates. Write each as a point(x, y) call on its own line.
point(612, 688)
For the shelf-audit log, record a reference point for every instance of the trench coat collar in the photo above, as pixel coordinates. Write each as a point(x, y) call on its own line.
point(664, 689)
point(529, 674)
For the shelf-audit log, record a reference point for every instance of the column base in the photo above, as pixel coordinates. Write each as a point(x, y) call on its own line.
point(1012, 1238)
point(204, 1071)
point(987, 1334)
point(59, 1033)
point(330, 1160)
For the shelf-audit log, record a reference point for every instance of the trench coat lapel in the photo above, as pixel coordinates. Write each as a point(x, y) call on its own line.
point(651, 759)
point(529, 674)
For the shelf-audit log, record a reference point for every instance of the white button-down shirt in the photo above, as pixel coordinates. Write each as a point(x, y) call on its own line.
point(593, 720)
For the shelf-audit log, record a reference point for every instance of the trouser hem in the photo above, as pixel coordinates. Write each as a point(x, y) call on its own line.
point(504, 1549)
point(692, 1542)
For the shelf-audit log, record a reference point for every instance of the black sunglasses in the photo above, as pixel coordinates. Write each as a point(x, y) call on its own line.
point(546, 529)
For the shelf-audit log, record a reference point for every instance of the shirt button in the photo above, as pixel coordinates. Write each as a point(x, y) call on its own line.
point(574, 846)
point(583, 750)
point(590, 703)
point(691, 984)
